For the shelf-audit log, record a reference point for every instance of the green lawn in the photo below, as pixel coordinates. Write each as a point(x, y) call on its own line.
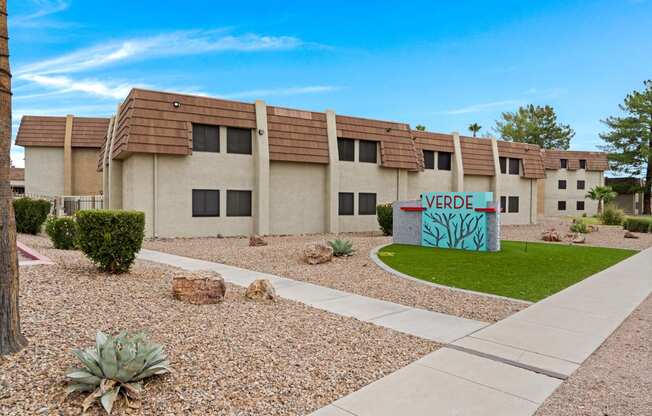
point(531, 275)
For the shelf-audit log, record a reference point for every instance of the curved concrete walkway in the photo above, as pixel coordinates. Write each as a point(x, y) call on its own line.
point(430, 325)
point(511, 367)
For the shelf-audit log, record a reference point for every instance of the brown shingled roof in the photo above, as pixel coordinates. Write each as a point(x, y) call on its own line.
point(45, 131)
point(529, 154)
point(16, 174)
point(477, 156)
point(595, 161)
point(297, 136)
point(397, 148)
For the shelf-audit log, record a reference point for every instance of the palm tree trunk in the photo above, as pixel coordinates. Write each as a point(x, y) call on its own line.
point(11, 339)
point(647, 192)
point(599, 206)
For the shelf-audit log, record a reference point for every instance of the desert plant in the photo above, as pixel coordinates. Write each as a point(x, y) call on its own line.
point(30, 214)
point(62, 231)
point(638, 224)
point(116, 365)
point(385, 217)
point(341, 247)
point(602, 194)
point(612, 215)
point(579, 226)
point(109, 238)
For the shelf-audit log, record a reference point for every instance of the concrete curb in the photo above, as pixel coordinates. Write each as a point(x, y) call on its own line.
point(36, 258)
point(374, 256)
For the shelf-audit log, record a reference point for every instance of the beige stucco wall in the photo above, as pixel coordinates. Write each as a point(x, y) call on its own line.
point(526, 191)
point(44, 171)
point(474, 183)
point(429, 180)
point(85, 178)
point(298, 200)
point(571, 194)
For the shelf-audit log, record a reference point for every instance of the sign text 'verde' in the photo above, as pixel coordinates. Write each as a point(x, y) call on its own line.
point(450, 201)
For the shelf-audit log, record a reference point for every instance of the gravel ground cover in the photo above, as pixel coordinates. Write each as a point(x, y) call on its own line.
point(606, 236)
point(234, 358)
point(616, 380)
point(356, 274)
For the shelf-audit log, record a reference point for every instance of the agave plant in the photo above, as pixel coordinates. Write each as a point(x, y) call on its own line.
point(116, 365)
point(341, 247)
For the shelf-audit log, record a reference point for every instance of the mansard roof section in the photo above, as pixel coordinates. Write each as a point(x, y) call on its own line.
point(50, 131)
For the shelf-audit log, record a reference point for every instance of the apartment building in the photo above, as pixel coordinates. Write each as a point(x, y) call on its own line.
point(61, 154)
point(17, 180)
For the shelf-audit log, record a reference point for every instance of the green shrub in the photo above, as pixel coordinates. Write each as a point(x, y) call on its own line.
point(30, 214)
point(341, 247)
point(385, 217)
point(109, 238)
point(638, 225)
point(62, 231)
point(611, 215)
point(579, 226)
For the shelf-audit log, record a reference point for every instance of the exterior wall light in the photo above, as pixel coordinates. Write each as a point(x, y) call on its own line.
point(261, 132)
point(176, 104)
point(388, 129)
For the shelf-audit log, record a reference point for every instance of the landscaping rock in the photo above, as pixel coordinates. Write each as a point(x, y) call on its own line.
point(261, 289)
point(317, 252)
point(199, 288)
point(551, 235)
point(579, 239)
point(256, 241)
point(629, 234)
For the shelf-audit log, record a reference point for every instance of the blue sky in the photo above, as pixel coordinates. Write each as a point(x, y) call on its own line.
point(444, 65)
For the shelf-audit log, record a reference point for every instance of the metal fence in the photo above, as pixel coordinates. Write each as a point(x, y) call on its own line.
point(68, 205)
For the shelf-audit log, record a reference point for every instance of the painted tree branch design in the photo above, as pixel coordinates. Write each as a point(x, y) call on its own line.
point(454, 230)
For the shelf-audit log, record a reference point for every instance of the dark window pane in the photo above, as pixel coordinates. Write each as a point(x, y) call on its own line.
point(582, 163)
point(346, 203)
point(514, 166)
point(561, 205)
point(238, 140)
point(513, 204)
point(581, 185)
point(346, 149)
point(443, 161)
point(205, 203)
point(366, 204)
point(205, 138)
point(503, 164)
point(429, 159)
point(503, 204)
point(367, 151)
point(561, 184)
point(238, 203)
point(580, 205)
point(563, 163)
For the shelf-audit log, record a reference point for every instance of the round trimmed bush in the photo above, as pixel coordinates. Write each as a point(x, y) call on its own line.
point(385, 217)
point(30, 214)
point(611, 215)
point(638, 224)
point(62, 231)
point(110, 238)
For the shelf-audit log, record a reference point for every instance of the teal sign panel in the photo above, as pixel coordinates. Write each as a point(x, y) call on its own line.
point(455, 220)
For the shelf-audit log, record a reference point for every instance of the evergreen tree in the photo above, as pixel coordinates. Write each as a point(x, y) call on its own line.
point(535, 125)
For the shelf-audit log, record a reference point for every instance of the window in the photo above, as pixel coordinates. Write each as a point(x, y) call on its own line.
point(346, 203)
point(503, 165)
point(512, 204)
point(238, 140)
point(205, 203)
point(580, 205)
point(205, 138)
point(563, 163)
point(561, 205)
point(346, 149)
point(366, 204)
point(581, 185)
point(443, 161)
point(503, 204)
point(514, 166)
point(238, 203)
point(561, 184)
point(429, 159)
point(582, 163)
point(367, 151)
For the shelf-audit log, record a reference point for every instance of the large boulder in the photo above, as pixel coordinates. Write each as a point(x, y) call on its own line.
point(579, 238)
point(629, 234)
point(257, 241)
point(261, 289)
point(198, 288)
point(551, 235)
point(317, 252)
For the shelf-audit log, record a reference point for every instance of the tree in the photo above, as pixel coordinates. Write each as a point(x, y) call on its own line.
point(602, 194)
point(420, 127)
point(474, 128)
point(629, 141)
point(535, 125)
point(11, 339)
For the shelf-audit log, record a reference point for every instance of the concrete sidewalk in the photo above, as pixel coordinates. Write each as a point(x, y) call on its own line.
point(511, 367)
point(418, 322)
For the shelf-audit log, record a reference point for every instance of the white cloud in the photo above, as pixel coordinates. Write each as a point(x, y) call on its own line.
point(44, 8)
point(63, 84)
point(477, 108)
point(313, 89)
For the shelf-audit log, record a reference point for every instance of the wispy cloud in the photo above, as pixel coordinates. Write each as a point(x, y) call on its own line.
point(164, 45)
point(312, 89)
point(44, 9)
point(63, 84)
point(490, 106)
